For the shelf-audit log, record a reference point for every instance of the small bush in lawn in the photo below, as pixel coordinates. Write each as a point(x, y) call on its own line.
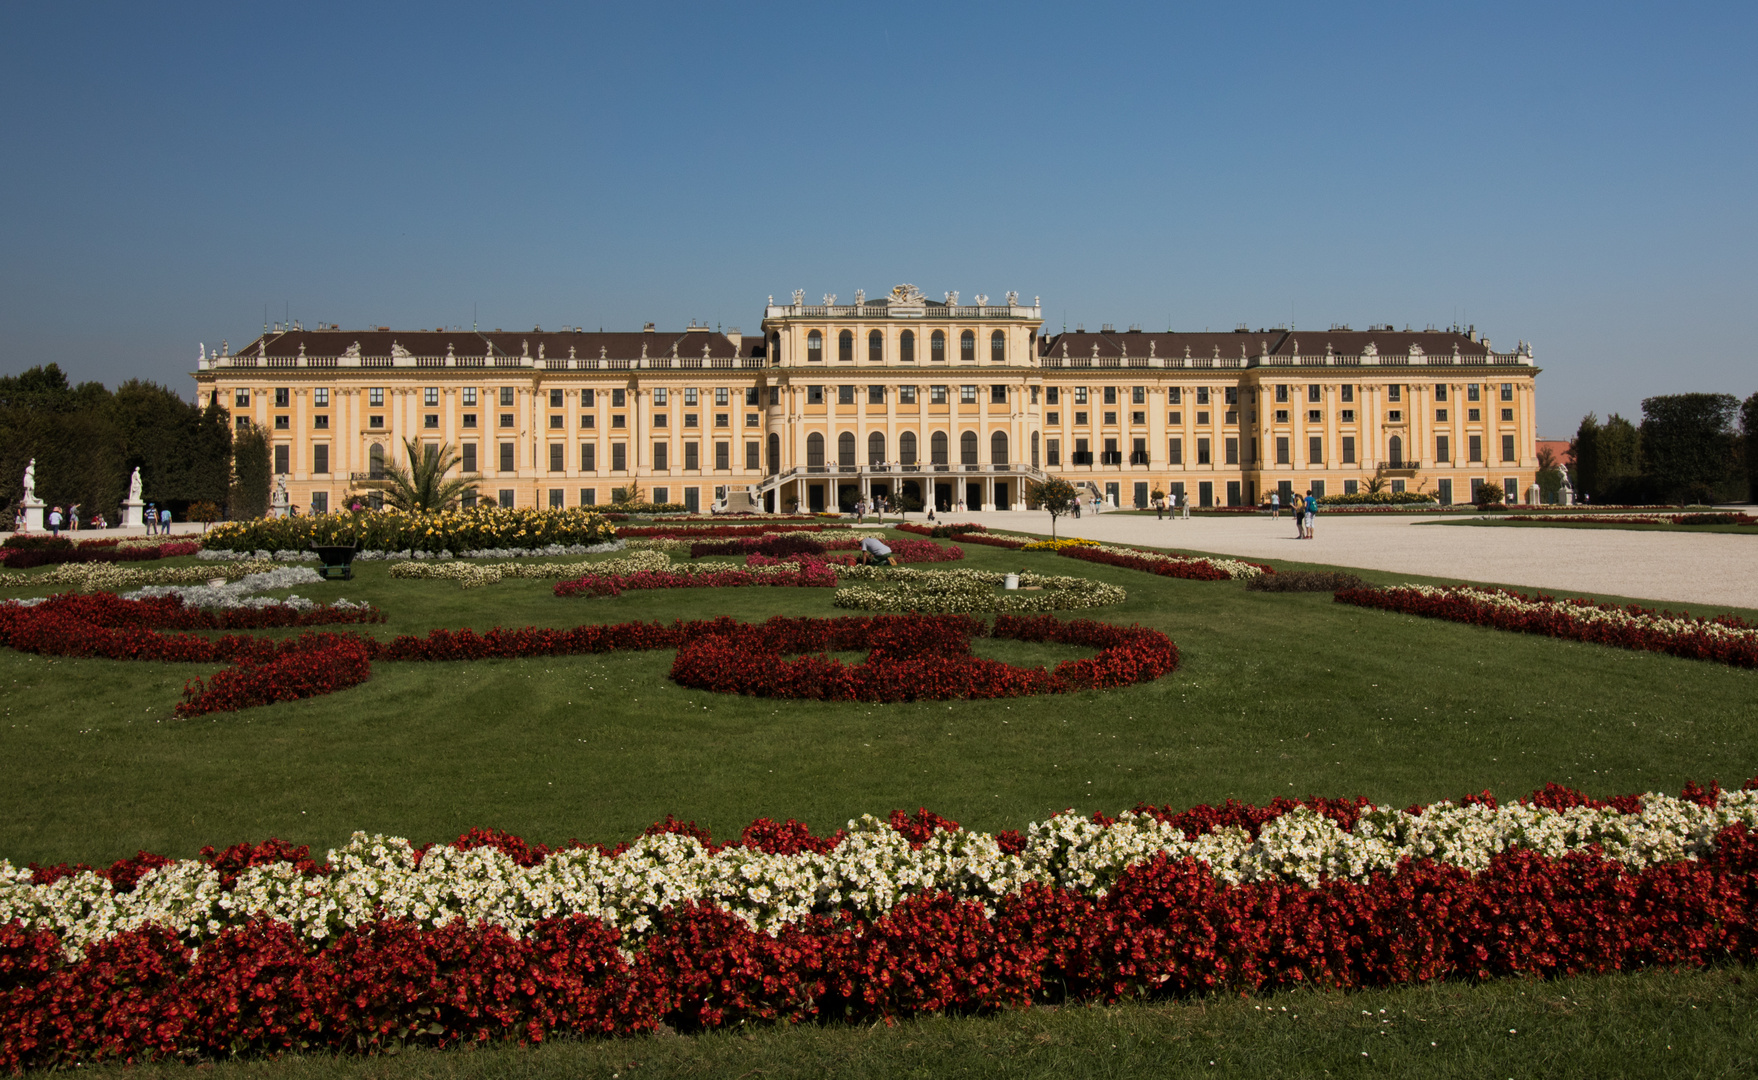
point(1305, 581)
point(37, 542)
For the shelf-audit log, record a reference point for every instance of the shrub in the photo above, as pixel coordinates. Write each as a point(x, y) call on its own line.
point(1305, 581)
point(1377, 498)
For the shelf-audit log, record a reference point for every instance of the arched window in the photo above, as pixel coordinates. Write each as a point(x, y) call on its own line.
point(937, 448)
point(1395, 451)
point(967, 448)
point(998, 347)
point(998, 448)
point(876, 448)
point(845, 346)
point(814, 451)
point(906, 347)
point(967, 348)
point(906, 448)
point(375, 462)
point(774, 453)
point(845, 449)
point(1034, 449)
point(815, 346)
point(937, 346)
point(876, 347)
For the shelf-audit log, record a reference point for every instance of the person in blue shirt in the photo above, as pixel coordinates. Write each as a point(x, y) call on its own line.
point(1311, 512)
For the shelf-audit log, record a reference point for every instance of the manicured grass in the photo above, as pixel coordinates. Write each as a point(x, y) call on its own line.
point(1280, 694)
point(1654, 1024)
point(1636, 526)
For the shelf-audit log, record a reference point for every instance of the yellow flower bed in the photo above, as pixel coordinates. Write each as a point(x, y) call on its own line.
point(1058, 545)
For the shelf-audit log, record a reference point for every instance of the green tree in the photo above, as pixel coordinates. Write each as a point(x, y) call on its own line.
point(422, 487)
point(1550, 473)
point(68, 430)
point(1688, 444)
point(1749, 437)
point(249, 495)
point(180, 449)
point(1054, 494)
point(1584, 449)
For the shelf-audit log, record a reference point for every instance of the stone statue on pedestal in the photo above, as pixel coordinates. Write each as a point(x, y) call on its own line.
point(1566, 494)
point(30, 482)
point(279, 501)
point(34, 515)
point(131, 506)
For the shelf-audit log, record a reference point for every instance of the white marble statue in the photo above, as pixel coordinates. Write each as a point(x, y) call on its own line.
point(134, 487)
point(30, 482)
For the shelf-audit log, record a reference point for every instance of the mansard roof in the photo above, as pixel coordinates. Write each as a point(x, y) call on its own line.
point(617, 344)
point(1278, 341)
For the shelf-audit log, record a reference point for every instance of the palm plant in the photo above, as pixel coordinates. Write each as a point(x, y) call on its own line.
point(423, 487)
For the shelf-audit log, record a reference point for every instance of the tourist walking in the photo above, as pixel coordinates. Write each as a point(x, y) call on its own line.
point(55, 522)
point(73, 518)
point(152, 519)
point(1311, 512)
point(165, 522)
point(1296, 510)
point(1185, 504)
point(1275, 505)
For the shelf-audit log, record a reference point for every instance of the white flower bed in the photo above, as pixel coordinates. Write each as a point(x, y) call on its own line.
point(1586, 611)
point(873, 868)
point(1235, 568)
point(903, 588)
point(114, 577)
point(288, 555)
point(238, 594)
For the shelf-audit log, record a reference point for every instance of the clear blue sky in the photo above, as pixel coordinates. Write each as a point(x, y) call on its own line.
point(1579, 175)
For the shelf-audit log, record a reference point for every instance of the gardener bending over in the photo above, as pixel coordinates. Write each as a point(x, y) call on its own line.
point(873, 550)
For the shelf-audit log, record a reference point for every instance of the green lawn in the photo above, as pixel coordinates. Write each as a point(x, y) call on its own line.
point(1279, 694)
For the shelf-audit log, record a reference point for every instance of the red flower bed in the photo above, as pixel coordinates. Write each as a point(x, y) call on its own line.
point(1165, 929)
point(93, 552)
point(778, 546)
point(716, 532)
point(1632, 627)
point(807, 576)
point(1172, 566)
point(913, 658)
point(313, 665)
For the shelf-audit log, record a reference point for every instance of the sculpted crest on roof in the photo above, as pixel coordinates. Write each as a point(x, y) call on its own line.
point(907, 294)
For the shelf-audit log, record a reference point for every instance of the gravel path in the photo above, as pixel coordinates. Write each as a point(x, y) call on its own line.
point(1719, 569)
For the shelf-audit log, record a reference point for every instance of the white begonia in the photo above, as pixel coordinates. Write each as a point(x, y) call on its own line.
point(1585, 611)
point(1234, 568)
point(872, 870)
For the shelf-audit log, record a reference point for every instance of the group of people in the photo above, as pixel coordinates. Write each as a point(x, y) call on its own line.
point(878, 505)
point(1303, 510)
point(158, 522)
point(1174, 506)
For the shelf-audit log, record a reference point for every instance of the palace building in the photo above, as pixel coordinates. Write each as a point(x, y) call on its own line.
point(901, 396)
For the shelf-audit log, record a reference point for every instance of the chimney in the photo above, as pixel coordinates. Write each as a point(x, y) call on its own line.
point(648, 328)
point(733, 335)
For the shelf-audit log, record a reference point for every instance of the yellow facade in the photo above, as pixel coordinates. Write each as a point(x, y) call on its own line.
point(901, 396)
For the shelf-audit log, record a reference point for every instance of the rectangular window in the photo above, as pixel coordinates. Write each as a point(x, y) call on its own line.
point(660, 395)
point(1347, 416)
point(1315, 416)
point(283, 458)
point(320, 502)
point(1394, 392)
point(619, 399)
point(1175, 451)
point(722, 420)
point(661, 495)
point(1473, 392)
point(1440, 391)
point(1313, 392)
point(1507, 416)
point(1110, 395)
point(1080, 417)
point(1080, 395)
point(1110, 417)
point(468, 420)
point(375, 397)
point(875, 395)
point(1138, 395)
point(468, 451)
point(752, 420)
point(375, 421)
point(241, 398)
point(722, 455)
point(1053, 452)
point(691, 397)
point(814, 395)
point(1315, 450)
point(555, 498)
point(661, 420)
point(557, 458)
point(587, 420)
point(621, 420)
point(1052, 395)
point(1508, 448)
point(320, 458)
point(1440, 416)
point(906, 395)
point(1348, 449)
point(1507, 391)
point(506, 498)
point(1281, 416)
point(619, 457)
point(588, 398)
point(660, 462)
point(1395, 415)
point(1202, 451)
point(1443, 491)
point(1318, 488)
point(506, 457)
point(692, 455)
point(998, 394)
point(283, 423)
point(693, 500)
point(967, 395)
point(774, 395)
point(936, 395)
point(753, 456)
point(321, 421)
point(1350, 487)
point(506, 419)
point(1348, 393)
point(1443, 450)
point(321, 397)
point(1138, 417)
point(430, 396)
point(588, 457)
point(720, 397)
point(1232, 448)
point(1175, 395)
point(845, 395)
point(506, 395)
point(1281, 392)
point(282, 397)
point(1474, 444)
point(1202, 395)
point(1281, 449)
point(1175, 418)
point(588, 496)
point(1052, 417)
point(751, 396)
point(1473, 416)
point(430, 422)
point(690, 419)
